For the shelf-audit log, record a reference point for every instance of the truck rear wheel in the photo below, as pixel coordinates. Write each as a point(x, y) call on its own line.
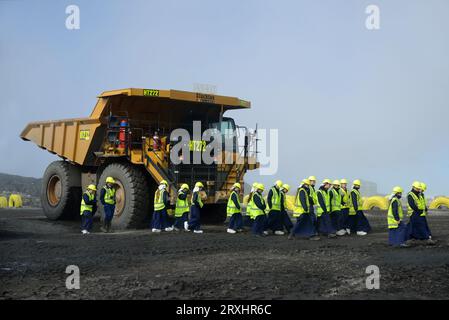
point(61, 191)
point(132, 195)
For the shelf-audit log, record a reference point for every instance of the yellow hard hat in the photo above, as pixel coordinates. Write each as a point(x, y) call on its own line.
point(356, 183)
point(343, 181)
point(417, 185)
point(110, 180)
point(237, 185)
point(255, 184)
point(185, 186)
point(261, 186)
point(286, 187)
point(278, 183)
point(306, 181)
point(336, 183)
point(312, 178)
point(164, 182)
point(92, 187)
point(397, 189)
point(423, 186)
point(327, 181)
point(199, 185)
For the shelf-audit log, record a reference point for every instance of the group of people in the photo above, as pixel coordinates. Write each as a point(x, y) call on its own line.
point(330, 211)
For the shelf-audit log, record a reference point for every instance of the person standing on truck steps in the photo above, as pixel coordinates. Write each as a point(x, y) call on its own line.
point(195, 209)
point(417, 227)
point(107, 198)
point(88, 209)
point(304, 226)
point(324, 222)
point(396, 227)
point(182, 208)
point(286, 222)
point(335, 211)
point(161, 203)
point(344, 204)
point(234, 210)
point(258, 212)
point(313, 199)
point(248, 217)
point(357, 220)
point(274, 221)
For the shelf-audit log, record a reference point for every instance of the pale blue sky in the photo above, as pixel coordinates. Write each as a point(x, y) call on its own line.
point(348, 102)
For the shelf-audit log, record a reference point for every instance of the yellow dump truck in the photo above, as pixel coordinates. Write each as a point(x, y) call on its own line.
point(130, 136)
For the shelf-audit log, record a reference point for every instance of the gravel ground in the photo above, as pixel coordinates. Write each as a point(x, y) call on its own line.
point(34, 254)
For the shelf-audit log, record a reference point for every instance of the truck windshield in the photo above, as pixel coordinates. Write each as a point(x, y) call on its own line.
point(228, 132)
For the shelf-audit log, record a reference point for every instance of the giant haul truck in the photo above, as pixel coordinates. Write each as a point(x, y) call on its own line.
point(128, 136)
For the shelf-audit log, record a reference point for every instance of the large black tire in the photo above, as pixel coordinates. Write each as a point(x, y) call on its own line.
point(133, 185)
point(61, 191)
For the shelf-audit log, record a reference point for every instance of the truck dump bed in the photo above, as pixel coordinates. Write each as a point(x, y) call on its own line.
point(73, 139)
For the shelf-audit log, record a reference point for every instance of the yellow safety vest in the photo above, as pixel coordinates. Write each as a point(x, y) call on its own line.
point(336, 200)
point(182, 206)
point(345, 198)
point(255, 211)
point(109, 195)
point(159, 200)
point(326, 198)
point(200, 201)
point(275, 200)
point(250, 205)
point(418, 202)
point(231, 208)
point(298, 209)
point(84, 206)
point(313, 195)
point(424, 204)
point(359, 202)
point(392, 222)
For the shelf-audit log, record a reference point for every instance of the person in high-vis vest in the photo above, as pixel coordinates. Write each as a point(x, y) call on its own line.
point(161, 203)
point(286, 222)
point(335, 208)
point(304, 226)
point(423, 199)
point(397, 236)
point(417, 227)
point(88, 209)
point(258, 212)
point(357, 221)
point(234, 210)
point(107, 199)
point(248, 220)
point(344, 204)
point(195, 209)
point(274, 220)
point(313, 199)
point(324, 222)
point(182, 209)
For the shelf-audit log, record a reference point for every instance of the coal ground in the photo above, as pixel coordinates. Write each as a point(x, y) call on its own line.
point(34, 254)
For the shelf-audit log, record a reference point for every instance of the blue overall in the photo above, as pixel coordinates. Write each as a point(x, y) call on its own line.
point(236, 221)
point(344, 214)
point(304, 226)
point(418, 228)
point(87, 220)
point(259, 224)
point(324, 223)
point(195, 215)
point(160, 220)
point(397, 236)
point(179, 221)
point(108, 212)
point(274, 220)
